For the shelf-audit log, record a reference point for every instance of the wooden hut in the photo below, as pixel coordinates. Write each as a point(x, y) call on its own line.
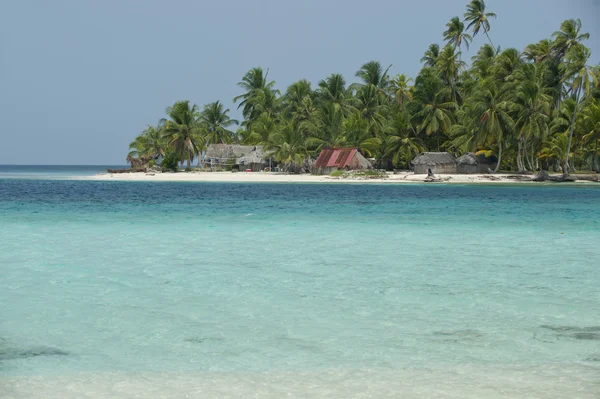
point(467, 163)
point(331, 159)
point(227, 154)
point(470, 163)
point(252, 161)
point(438, 162)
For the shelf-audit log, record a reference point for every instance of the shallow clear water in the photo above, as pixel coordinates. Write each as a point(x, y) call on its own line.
point(53, 171)
point(292, 280)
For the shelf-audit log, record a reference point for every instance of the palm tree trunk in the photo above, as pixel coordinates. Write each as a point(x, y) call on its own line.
point(566, 171)
point(488, 36)
point(519, 161)
point(596, 158)
point(189, 161)
point(499, 157)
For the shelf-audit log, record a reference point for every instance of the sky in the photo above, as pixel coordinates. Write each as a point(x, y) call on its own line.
point(79, 79)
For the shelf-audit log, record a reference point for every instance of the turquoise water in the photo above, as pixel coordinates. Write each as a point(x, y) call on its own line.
point(122, 278)
point(53, 171)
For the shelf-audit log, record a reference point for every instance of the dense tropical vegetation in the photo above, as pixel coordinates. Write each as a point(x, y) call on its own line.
point(535, 108)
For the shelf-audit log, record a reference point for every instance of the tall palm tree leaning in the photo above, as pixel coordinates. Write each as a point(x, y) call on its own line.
point(478, 18)
point(183, 131)
point(455, 35)
point(582, 78)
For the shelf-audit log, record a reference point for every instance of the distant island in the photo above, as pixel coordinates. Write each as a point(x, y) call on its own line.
point(533, 110)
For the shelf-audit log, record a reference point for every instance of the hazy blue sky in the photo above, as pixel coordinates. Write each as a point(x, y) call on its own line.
point(79, 79)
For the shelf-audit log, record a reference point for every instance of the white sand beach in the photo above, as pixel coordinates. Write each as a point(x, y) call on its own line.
point(266, 177)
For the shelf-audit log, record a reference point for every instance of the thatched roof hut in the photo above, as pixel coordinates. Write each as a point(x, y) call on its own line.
point(253, 160)
point(226, 151)
point(473, 163)
point(438, 162)
point(468, 158)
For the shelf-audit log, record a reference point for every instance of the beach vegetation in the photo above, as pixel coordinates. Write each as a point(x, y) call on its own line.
point(530, 108)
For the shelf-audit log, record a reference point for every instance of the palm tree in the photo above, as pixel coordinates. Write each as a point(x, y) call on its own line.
point(455, 35)
point(401, 89)
point(531, 107)
point(449, 65)
point(184, 131)
point(287, 146)
point(329, 130)
point(581, 79)
point(490, 110)
point(539, 52)
point(484, 61)
point(149, 144)
point(436, 115)
point(216, 121)
point(478, 18)
point(568, 36)
point(256, 84)
point(556, 150)
point(372, 73)
point(401, 140)
point(590, 124)
point(295, 95)
point(429, 59)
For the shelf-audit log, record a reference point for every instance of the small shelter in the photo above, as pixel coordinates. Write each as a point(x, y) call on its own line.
point(438, 162)
point(470, 163)
point(331, 159)
point(252, 160)
point(231, 154)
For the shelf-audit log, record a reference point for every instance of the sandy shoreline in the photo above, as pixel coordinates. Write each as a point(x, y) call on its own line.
point(265, 177)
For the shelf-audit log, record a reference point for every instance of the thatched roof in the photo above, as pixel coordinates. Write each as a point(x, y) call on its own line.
point(434, 158)
point(226, 151)
point(363, 162)
point(468, 158)
point(255, 156)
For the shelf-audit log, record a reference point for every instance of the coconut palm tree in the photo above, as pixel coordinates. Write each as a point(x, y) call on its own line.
point(150, 144)
point(401, 89)
point(484, 61)
point(287, 146)
point(590, 124)
point(449, 65)
point(429, 59)
point(402, 143)
point(580, 78)
point(295, 95)
point(256, 84)
point(184, 131)
point(478, 18)
point(215, 121)
point(531, 108)
point(568, 36)
point(490, 106)
point(455, 35)
point(436, 114)
point(372, 73)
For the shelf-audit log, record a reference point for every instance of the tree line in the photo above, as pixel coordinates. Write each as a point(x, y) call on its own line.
point(536, 108)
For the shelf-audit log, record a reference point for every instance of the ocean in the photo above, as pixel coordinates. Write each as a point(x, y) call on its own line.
point(118, 289)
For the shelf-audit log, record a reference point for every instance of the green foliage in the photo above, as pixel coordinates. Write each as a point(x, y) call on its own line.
point(526, 107)
point(336, 173)
point(170, 161)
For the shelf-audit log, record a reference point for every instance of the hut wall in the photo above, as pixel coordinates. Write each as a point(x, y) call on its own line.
point(442, 169)
point(483, 167)
point(467, 169)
